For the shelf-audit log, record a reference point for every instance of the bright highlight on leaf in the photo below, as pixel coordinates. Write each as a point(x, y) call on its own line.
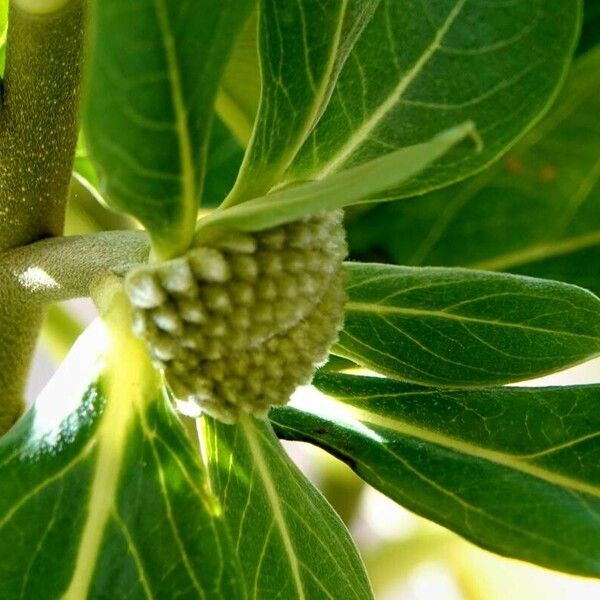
point(460, 458)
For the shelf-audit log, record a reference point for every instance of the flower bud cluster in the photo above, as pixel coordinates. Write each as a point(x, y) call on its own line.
point(237, 325)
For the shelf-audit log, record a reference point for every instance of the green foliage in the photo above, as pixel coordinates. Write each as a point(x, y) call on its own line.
point(590, 34)
point(536, 213)
point(417, 70)
point(107, 490)
point(72, 481)
point(149, 106)
point(288, 538)
point(458, 327)
point(512, 469)
point(353, 186)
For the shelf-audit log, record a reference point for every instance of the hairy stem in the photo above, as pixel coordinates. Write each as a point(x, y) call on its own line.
point(38, 132)
point(63, 268)
point(38, 121)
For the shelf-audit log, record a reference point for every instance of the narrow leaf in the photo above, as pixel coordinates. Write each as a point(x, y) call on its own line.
point(458, 327)
point(155, 67)
point(537, 213)
point(420, 67)
point(343, 189)
point(289, 541)
point(514, 470)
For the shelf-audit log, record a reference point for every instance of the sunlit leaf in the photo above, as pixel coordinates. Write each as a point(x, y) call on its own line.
point(239, 93)
point(302, 47)
point(513, 469)
point(3, 23)
point(102, 493)
point(290, 542)
point(343, 189)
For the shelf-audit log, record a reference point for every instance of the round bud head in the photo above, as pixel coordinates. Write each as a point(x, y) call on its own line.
point(237, 326)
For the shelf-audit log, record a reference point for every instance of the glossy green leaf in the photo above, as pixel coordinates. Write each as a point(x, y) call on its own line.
point(290, 542)
point(302, 47)
point(154, 68)
point(102, 493)
point(515, 470)
point(343, 189)
point(420, 67)
point(537, 213)
point(456, 327)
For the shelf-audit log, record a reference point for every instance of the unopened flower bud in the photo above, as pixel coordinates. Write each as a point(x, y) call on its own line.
point(237, 326)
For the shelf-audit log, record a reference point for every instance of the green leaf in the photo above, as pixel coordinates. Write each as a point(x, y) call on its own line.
point(154, 68)
point(102, 493)
point(537, 213)
point(222, 164)
point(456, 327)
point(289, 540)
point(349, 187)
point(420, 67)
point(83, 167)
point(302, 47)
point(514, 470)
point(239, 93)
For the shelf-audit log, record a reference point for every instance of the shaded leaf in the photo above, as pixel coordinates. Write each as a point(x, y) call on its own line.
point(514, 470)
point(537, 213)
point(458, 327)
point(222, 164)
point(239, 93)
point(290, 542)
point(102, 493)
point(590, 33)
point(420, 67)
point(154, 71)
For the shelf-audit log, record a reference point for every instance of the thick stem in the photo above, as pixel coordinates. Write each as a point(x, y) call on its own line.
point(62, 268)
point(38, 131)
point(38, 121)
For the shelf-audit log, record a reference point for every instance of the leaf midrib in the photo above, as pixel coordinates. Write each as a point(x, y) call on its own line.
point(439, 314)
point(362, 133)
point(188, 171)
point(273, 498)
point(506, 460)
